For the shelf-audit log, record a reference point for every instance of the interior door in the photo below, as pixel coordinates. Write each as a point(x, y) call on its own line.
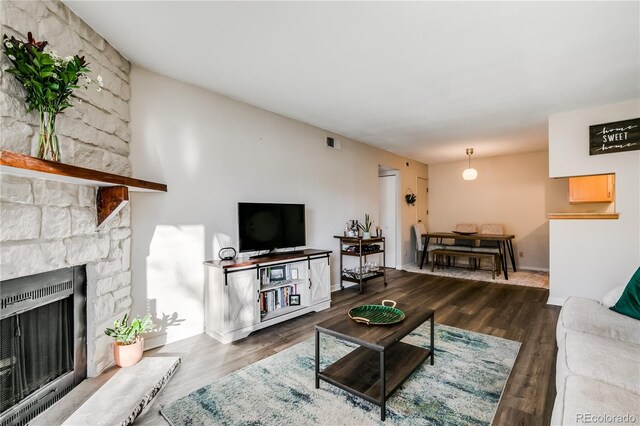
point(422, 201)
point(388, 219)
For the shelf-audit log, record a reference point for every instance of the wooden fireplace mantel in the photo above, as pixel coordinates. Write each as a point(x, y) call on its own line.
point(113, 190)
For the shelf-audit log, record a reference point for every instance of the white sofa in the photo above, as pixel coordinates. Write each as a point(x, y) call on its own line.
point(598, 365)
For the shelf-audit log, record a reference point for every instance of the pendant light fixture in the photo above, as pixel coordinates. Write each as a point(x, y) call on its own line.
point(470, 173)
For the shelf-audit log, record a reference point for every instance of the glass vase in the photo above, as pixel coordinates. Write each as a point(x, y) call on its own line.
point(48, 148)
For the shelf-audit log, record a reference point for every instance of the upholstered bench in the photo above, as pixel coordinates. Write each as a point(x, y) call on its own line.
point(459, 253)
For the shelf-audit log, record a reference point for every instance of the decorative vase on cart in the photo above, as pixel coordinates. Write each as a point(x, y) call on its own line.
point(366, 228)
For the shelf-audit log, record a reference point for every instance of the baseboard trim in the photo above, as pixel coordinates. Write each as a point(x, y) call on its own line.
point(347, 284)
point(533, 268)
point(166, 338)
point(557, 301)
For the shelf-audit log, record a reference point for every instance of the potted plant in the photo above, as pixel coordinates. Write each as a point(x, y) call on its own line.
point(129, 344)
point(410, 197)
point(366, 228)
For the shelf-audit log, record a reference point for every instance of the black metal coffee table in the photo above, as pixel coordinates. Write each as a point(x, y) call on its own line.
point(382, 363)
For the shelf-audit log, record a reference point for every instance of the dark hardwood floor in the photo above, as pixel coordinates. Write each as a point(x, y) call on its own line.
point(511, 312)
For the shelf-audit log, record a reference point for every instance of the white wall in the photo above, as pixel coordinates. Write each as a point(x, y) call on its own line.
point(510, 190)
point(589, 257)
point(213, 152)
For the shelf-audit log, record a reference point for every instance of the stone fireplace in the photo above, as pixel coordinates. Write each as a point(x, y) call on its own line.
point(51, 225)
point(48, 225)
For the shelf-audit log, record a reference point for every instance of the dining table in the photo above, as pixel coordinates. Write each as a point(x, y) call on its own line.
point(504, 243)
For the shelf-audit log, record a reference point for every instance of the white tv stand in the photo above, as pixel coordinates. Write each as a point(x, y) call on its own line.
point(245, 295)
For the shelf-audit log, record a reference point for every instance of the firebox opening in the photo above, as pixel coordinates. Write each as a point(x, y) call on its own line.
point(42, 341)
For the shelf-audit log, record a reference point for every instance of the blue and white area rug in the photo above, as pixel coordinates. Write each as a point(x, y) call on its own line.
point(463, 387)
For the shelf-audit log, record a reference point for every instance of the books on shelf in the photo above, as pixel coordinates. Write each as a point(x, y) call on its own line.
point(278, 298)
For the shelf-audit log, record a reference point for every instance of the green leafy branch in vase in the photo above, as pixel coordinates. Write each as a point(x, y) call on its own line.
point(49, 81)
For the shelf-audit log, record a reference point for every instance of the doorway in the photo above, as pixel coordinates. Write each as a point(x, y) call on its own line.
point(388, 184)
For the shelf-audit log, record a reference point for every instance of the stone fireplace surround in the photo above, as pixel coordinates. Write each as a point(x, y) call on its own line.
point(47, 225)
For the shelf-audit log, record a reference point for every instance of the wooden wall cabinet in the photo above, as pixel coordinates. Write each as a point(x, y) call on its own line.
point(592, 189)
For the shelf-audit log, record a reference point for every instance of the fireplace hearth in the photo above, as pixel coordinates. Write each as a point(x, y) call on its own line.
point(43, 341)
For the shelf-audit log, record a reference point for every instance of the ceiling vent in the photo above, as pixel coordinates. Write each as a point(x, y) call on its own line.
point(332, 143)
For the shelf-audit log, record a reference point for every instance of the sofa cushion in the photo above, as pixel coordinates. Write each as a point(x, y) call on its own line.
point(589, 316)
point(584, 400)
point(629, 302)
point(600, 358)
point(612, 296)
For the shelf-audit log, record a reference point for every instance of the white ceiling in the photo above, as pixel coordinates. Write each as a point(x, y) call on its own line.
point(422, 79)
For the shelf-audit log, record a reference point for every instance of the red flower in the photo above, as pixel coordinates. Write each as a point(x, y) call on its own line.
point(39, 45)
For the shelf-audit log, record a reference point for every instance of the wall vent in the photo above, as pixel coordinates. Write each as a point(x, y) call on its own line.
point(332, 143)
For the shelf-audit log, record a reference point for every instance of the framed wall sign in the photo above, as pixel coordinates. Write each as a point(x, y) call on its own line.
point(618, 136)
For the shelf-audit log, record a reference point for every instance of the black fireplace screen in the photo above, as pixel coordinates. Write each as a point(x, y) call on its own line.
point(36, 347)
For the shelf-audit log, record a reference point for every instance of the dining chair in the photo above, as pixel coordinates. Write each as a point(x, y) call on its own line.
point(418, 230)
point(464, 245)
point(460, 244)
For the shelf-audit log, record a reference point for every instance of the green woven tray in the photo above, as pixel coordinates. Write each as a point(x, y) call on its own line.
point(377, 314)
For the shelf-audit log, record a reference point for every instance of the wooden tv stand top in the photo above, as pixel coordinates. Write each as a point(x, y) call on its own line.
point(245, 261)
